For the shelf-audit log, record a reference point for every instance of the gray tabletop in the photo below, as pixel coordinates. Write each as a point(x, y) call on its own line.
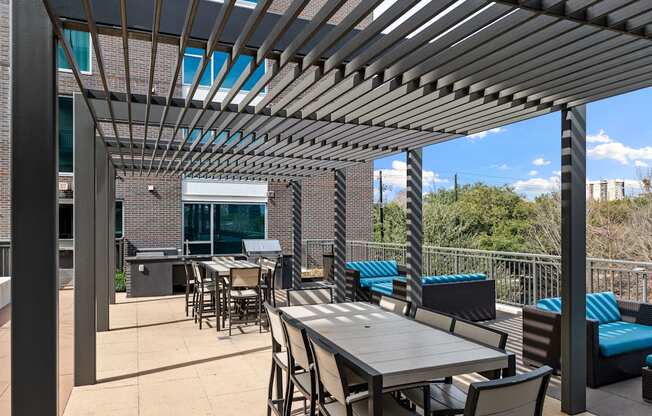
point(401, 349)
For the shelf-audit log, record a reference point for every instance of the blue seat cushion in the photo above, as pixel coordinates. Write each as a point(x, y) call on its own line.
point(386, 288)
point(370, 281)
point(375, 268)
point(601, 307)
point(621, 337)
point(453, 278)
point(648, 361)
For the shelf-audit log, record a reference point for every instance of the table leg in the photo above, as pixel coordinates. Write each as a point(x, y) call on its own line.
point(218, 305)
point(511, 366)
point(375, 406)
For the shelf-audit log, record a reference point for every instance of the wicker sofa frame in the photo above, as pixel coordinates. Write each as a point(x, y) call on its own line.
point(542, 344)
point(359, 293)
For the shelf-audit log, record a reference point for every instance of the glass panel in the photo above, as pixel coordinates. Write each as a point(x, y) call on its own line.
point(235, 222)
point(197, 222)
point(65, 135)
point(118, 219)
point(80, 44)
point(198, 248)
point(65, 221)
point(191, 65)
point(240, 64)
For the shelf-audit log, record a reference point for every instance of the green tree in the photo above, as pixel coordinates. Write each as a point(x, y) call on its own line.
point(394, 223)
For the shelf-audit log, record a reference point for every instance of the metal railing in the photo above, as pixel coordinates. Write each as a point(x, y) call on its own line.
point(521, 278)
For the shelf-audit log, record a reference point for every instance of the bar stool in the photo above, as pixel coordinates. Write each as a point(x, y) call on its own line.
point(190, 280)
point(204, 304)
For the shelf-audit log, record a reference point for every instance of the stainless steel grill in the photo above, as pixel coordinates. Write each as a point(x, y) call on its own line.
point(254, 249)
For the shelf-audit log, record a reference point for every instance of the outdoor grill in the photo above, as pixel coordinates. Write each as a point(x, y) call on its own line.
point(255, 249)
point(157, 252)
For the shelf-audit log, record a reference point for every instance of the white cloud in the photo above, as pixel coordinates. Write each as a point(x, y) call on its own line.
point(533, 173)
point(556, 172)
point(536, 186)
point(540, 162)
point(483, 134)
point(640, 164)
point(601, 137)
point(397, 176)
point(504, 166)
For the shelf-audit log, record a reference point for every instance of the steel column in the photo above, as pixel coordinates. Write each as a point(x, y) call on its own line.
point(573, 260)
point(414, 225)
point(339, 243)
point(296, 234)
point(111, 233)
point(84, 217)
point(101, 237)
point(34, 213)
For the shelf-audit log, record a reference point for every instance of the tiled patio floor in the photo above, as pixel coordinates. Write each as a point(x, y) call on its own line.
point(155, 361)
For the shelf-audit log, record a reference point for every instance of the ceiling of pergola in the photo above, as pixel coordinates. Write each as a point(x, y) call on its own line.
point(337, 95)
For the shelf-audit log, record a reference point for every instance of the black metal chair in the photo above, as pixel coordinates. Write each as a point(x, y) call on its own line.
point(402, 307)
point(523, 394)
point(300, 366)
point(204, 305)
point(244, 297)
point(190, 281)
point(279, 362)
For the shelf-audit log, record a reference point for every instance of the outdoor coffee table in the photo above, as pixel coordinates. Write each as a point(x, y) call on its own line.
point(390, 350)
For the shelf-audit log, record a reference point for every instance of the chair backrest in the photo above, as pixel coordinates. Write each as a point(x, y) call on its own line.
point(199, 274)
point(394, 305)
point(328, 262)
point(244, 277)
point(480, 333)
point(275, 325)
point(329, 374)
point(523, 394)
point(434, 319)
point(316, 296)
point(267, 263)
point(190, 275)
point(296, 341)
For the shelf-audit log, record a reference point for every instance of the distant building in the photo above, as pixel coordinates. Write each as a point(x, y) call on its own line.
point(605, 190)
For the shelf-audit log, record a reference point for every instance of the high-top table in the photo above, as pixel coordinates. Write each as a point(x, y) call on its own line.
point(390, 350)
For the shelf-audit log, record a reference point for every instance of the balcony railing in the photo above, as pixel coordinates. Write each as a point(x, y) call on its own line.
point(521, 278)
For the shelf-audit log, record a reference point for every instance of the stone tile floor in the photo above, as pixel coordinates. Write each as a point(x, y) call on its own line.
point(155, 361)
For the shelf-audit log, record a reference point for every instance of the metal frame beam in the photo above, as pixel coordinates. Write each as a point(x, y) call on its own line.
point(414, 226)
point(573, 260)
point(296, 233)
point(102, 187)
point(339, 242)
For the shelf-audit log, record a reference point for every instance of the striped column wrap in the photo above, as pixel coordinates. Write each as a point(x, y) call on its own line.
point(414, 225)
point(339, 244)
point(296, 234)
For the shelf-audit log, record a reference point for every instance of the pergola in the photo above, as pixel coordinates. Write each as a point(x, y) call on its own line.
point(332, 96)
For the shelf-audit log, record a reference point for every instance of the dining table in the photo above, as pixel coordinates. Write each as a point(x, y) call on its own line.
point(220, 269)
point(390, 350)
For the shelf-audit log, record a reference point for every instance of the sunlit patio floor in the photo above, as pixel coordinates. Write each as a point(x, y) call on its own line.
point(155, 361)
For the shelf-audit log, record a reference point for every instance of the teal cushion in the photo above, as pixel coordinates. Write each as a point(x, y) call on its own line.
point(648, 361)
point(453, 278)
point(370, 281)
point(386, 288)
point(620, 337)
point(381, 268)
point(601, 307)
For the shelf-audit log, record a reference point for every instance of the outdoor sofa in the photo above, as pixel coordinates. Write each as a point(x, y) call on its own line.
point(362, 275)
point(619, 336)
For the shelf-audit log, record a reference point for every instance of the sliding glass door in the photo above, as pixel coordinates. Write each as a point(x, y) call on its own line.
point(219, 228)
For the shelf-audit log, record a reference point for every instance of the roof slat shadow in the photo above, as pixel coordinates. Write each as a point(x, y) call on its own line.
point(335, 95)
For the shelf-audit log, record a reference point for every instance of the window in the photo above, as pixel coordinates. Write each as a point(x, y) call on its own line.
point(65, 135)
point(66, 221)
point(220, 228)
point(192, 60)
point(80, 43)
point(119, 219)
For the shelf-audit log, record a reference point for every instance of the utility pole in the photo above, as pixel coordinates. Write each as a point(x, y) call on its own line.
point(455, 186)
point(382, 214)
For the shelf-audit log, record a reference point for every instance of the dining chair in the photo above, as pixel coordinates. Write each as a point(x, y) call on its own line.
point(279, 369)
point(523, 394)
point(301, 371)
point(334, 396)
point(391, 304)
point(434, 319)
point(190, 281)
point(244, 296)
point(311, 296)
point(268, 270)
point(205, 301)
point(445, 397)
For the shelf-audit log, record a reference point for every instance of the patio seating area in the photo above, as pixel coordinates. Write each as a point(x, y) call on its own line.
point(154, 361)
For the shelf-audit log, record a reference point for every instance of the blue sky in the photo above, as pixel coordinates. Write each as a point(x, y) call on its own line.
point(526, 155)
